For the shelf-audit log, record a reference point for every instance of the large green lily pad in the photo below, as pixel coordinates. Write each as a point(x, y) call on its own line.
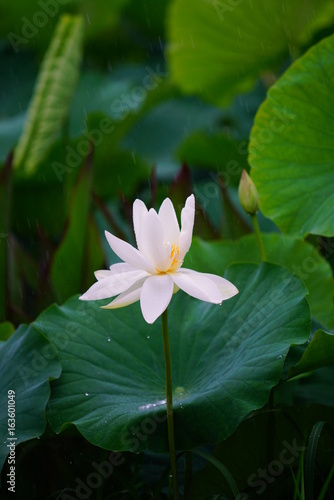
point(291, 147)
point(300, 257)
point(27, 362)
point(225, 361)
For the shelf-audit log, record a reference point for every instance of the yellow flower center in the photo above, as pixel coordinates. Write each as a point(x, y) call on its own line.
point(176, 263)
point(174, 253)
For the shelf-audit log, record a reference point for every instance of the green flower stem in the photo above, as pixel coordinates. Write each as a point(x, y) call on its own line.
point(169, 404)
point(258, 237)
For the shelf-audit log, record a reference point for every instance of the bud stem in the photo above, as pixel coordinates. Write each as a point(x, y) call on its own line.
point(259, 237)
point(169, 404)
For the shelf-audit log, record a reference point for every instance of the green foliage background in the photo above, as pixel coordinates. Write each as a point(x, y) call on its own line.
point(105, 102)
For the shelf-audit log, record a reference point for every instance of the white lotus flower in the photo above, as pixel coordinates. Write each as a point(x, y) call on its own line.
point(153, 273)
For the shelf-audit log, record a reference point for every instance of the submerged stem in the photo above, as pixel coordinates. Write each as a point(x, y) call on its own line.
point(169, 404)
point(259, 237)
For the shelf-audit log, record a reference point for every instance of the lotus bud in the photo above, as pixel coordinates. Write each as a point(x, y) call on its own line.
point(247, 193)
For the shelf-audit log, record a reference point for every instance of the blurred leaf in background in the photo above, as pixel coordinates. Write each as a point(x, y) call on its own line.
point(48, 108)
point(219, 49)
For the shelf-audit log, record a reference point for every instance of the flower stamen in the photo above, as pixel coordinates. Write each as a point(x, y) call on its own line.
point(174, 251)
point(174, 254)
